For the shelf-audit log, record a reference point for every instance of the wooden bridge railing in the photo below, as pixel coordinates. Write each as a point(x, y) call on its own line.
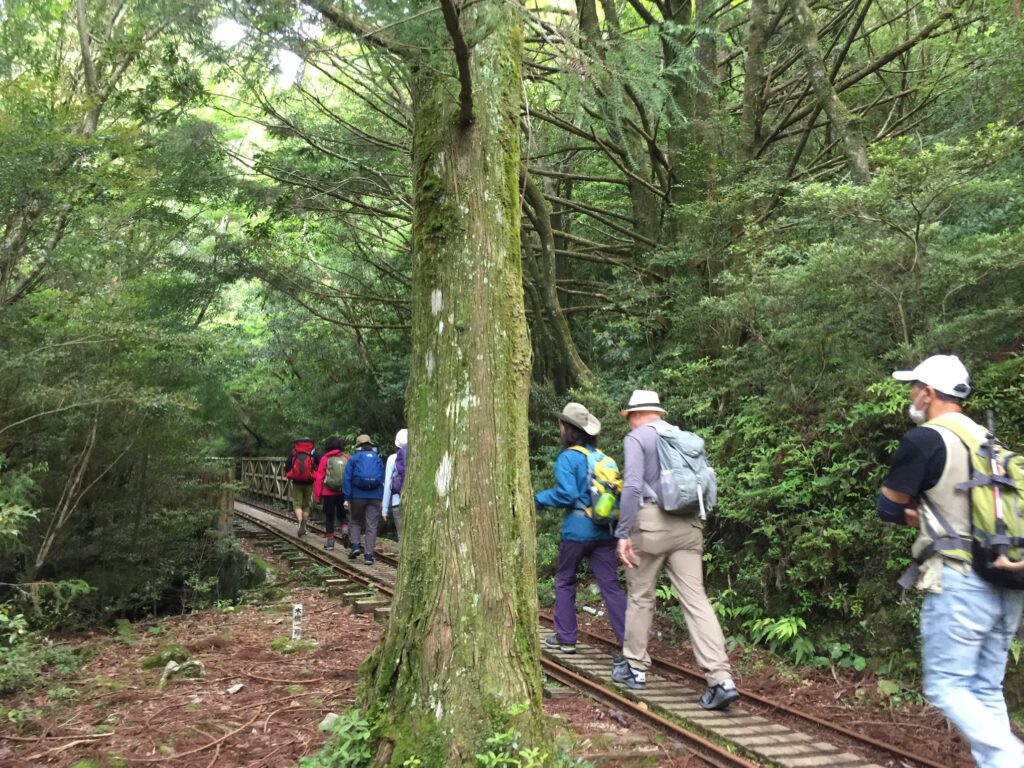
point(263, 478)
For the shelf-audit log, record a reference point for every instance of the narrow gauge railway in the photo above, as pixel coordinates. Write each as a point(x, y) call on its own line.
point(668, 701)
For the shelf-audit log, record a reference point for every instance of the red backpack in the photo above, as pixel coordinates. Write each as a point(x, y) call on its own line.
point(302, 469)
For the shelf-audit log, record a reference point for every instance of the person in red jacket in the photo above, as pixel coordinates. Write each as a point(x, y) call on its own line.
point(330, 475)
point(300, 468)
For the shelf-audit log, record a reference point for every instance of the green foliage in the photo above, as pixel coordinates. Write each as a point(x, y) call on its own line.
point(167, 300)
point(125, 632)
point(13, 627)
point(504, 749)
point(24, 661)
point(844, 657)
point(347, 746)
point(782, 635)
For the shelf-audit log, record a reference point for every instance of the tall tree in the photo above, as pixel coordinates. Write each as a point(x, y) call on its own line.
point(460, 652)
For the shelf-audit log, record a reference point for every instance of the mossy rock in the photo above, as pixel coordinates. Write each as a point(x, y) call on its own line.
point(168, 652)
point(287, 645)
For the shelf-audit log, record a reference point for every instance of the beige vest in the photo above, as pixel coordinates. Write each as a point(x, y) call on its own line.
point(954, 505)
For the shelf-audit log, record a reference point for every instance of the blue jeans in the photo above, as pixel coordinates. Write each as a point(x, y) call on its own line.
point(965, 638)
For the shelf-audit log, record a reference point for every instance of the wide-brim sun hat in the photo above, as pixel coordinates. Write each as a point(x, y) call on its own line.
point(363, 440)
point(642, 400)
point(943, 373)
point(578, 415)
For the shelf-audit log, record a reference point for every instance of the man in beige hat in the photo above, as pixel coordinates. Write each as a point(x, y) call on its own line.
point(649, 538)
point(364, 490)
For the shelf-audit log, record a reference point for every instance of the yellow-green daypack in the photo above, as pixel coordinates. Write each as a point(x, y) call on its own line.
point(605, 484)
point(990, 539)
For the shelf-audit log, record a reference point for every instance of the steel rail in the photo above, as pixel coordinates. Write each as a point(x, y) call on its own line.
point(719, 757)
point(693, 674)
point(668, 667)
point(381, 556)
point(352, 572)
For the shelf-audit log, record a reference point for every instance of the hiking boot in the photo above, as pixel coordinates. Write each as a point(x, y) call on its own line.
point(302, 527)
point(634, 679)
point(719, 696)
point(356, 552)
point(368, 560)
point(551, 643)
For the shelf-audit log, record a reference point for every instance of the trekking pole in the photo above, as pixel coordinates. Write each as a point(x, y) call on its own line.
point(1002, 560)
point(700, 500)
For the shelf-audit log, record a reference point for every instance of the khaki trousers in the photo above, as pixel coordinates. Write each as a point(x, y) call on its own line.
point(678, 544)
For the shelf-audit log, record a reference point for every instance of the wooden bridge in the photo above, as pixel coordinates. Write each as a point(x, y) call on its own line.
point(262, 478)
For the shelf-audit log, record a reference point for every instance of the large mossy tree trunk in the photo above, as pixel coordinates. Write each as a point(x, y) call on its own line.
point(460, 655)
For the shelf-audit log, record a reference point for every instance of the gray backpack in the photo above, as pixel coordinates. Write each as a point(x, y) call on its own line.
point(686, 484)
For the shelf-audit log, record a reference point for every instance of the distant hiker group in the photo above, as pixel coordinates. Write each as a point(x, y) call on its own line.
point(355, 490)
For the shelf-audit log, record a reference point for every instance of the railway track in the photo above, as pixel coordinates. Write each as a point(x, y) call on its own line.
point(737, 738)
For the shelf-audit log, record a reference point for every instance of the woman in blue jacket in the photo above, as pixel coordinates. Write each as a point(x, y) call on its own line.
point(581, 537)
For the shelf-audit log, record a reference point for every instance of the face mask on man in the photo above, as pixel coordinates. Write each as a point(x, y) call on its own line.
point(917, 415)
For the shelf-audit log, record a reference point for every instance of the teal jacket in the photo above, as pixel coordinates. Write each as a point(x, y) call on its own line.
point(572, 494)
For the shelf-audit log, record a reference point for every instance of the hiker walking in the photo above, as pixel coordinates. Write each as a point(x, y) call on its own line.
point(300, 467)
point(363, 488)
point(330, 478)
point(967, 622)
point(394, 479)
point(649, 537)
point(583, 536)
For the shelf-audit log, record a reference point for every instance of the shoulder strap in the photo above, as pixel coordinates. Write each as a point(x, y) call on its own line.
point(581, 503)
point(954, 425)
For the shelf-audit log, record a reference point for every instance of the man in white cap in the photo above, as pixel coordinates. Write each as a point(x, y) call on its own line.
point(650, 538)
point(966, 622)
point(394, 479)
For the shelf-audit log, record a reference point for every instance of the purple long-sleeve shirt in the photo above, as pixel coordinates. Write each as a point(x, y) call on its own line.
point(640, 474)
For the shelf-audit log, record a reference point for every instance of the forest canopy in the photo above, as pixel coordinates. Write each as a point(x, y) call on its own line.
point(756, 208)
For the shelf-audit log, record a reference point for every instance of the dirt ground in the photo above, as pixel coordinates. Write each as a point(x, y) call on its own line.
point(112, 709)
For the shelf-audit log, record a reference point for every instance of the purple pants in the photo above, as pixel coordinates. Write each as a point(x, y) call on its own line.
point(603, 563)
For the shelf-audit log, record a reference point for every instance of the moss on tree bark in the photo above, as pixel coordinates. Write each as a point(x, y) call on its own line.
point(460, 655)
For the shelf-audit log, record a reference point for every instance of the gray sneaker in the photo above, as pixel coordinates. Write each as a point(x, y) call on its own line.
point(551, 643)
point(719, 696)
point(634, 679)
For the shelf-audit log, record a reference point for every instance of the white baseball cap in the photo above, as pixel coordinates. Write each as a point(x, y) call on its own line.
point(944, 373)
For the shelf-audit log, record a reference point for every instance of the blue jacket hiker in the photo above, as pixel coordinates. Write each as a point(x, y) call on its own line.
point(363, 489)
point(581, 537)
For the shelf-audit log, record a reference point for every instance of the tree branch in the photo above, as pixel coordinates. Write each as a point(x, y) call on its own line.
point(91, 83)
point(356, 26)
point(462, 54)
